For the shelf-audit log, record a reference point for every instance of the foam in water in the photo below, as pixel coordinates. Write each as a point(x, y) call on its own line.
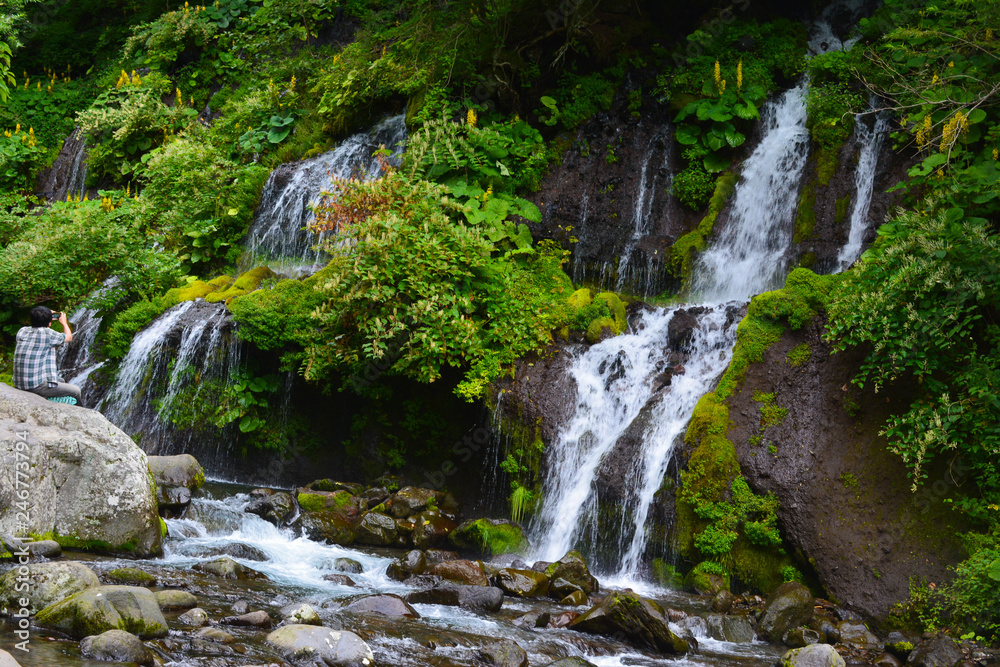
point(278, 234)
point(870, 138)
point(749, 256)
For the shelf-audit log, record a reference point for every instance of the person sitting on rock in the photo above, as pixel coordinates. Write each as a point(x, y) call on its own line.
point(35, 356)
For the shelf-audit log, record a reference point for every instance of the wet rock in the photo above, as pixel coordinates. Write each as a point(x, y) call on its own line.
point(722, 602)
point(676, 615)
point(697, 625)
point(44, 549)
point(431, 529)
point(941, 651)
point(575, 661)
point(104, 498)
point(533, 619)
point(789, 606)
point(172, 599)
point(522, 583)
point(340, 502)
point(576, 599)
point(277, 508)
point(799, 637)
point(348, 565)
point(387, 605)
point(374, 496)
point(489, 537)
point(311, 645)
point(482, 599)
point(815, 655)
point(413, 563)
point(238, 550)
point(680, 330)
point(639, 619)
point(826, 628)
point(340, 579)
point(130, 576)
point(116, 646)
point(902, 643)
point(196, 617)
point(888, 660)
point(377, 529)
point(300, 614)
point(7, 660)
point(240, 607)
point(573, 568)
point(50, 583)
point(540, 566)
point(737, 629)
point(504, 653)
point(560, 588)
point(327, 526)
point(227, 568)
point(564, 619)
point(96, 610)
point(435, 556)
point(253, 619)
point(330, 486)
point(462, 571)
point(177, 477)
point(216, 635)
point(704, 581)
point(858, 635)
point(412, 500)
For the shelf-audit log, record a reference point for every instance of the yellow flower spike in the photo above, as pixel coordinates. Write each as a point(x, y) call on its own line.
point(996, 154)
point(718, 74)
point(69, 197)
point(989, 34)
point(739, 75)
point(471, 118)
point(940, 173)
point(39, 85)
point(86, 197)
point(17, 128)
point(180, 99)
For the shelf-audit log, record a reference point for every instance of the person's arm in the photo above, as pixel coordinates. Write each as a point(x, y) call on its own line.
point(65, 325)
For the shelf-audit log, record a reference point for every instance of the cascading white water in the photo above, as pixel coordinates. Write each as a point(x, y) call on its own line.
point(579, 268)
point(278, 235)
point(749, 256)
point(644, 195)
point(76, 361)
point(870, 140)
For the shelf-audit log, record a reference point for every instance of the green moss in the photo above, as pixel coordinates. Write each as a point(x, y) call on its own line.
point(597, 327)
point(826, 164)
point(709, 577)
point(130, 576)
point(799, 355)
point(685, 248)
point(246, 283)
point(805, 217)
point(163, 529)
point(579, 299)
point(615, 307)
point(489, 538)
point(770, 414)
point(840, 209)
point(666, 575)
point(807, 260)
point(312, 502)
point(199, 480)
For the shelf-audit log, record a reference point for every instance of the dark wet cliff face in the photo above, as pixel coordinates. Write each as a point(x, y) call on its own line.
point(846, 504)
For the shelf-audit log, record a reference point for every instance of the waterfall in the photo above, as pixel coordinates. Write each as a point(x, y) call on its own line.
point(645, 193)
point(870, 139)
point(278, 234)
point(579, 269)
point(68, 174)
point(749, 256)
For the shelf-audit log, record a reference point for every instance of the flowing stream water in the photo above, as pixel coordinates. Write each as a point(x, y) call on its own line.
point(870, 139)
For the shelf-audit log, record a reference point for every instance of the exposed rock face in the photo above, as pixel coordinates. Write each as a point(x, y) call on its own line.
point(177, 477)
point(845, 499)
point(941, 651)
point(50, 583)
point(311, 644)
point(789, 606)
point(103, 608)
point(88, 484)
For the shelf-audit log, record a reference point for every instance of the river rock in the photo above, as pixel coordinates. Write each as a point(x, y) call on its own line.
point(348, 566)
point(789, 606)
point(639, 619)
point(722, 602)
point(377, 529)
point(237, 550)
point(172, 599)
point(374, 496)
point(564, 619)
point(116, 646)
point(50, 583)
point(814, 655)
point(560, 588)
point(103, 608)
point(680, 330)
point(277, 507)
point(196, 618)
point(326, 526)
point(888, 660)
point(435, 556)
point(44, 549)
point(253, 619)
point(431, 529)
point(504, 653)
point(7, 660)
point(312, 645)
point(576, 599)
point(941, 651)
point(177, 477)
point(215, 635)
point(130, 576)
point(522, 583)
point(300, 614)
point(799, 637)
point(489, 537)
point(858, 635)
point(575, 661)
point(462, 571)
point(94, 480)
point(481, 599)
point(413, 563)
point(227, 568)
point(339, 579)
point(533, 619)
point(736, 629)
point(386, 604)
point(411, 500)
point(573, 568)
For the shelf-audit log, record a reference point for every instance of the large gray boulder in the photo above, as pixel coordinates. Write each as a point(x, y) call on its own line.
point(97, 610)
point(116, 646)
point(789, 606)
point(177, 477)
point(88, 485)
point(814, 655)
point(315, 645)
point(48, 583)
point(941, 651)
point(642, 621)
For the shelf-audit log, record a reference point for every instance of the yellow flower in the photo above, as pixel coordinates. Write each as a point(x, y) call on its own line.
point(996, 155)
point(722, 86)
point(951, 64)
point(739, 75)
point(989, 34)
point(934, 80)
point(718, 77)
point(471, 118)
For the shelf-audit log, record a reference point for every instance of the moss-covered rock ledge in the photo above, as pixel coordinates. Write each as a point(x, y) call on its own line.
point(82, 481)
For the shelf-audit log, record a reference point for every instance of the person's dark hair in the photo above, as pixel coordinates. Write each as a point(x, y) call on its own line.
point(41, 316)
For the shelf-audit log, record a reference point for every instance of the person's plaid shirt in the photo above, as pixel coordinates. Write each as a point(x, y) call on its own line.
point(35, 357)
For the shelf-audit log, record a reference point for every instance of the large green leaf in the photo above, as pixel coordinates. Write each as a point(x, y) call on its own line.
point(715, 163)
point(687, 135)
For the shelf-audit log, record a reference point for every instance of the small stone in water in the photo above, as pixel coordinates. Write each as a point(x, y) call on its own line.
point(215, 635)
point(195, 617)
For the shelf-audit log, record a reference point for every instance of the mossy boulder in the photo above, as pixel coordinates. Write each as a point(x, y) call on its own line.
point(377, 529)
point(342, 502)
point(573, 569)
point(50, 583)
point(580, 299)
point(244, 284)
point(173, 599)
point(326, 526)
point(600, 329)
point(130, 576)
point(467, 572)
point(707, 578)
point(412, 500)
point(522, 583)
point(642, 621)
point(431, 529)
point(97, 610)
point(789, 606)
point(489, 537)
point(615, 307)
point(177, 477)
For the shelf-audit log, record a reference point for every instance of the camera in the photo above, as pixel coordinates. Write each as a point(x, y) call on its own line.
point(56, 316)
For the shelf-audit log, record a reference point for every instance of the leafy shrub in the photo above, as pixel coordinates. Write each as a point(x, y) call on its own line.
point(694, 185)
point(20, 158)
point(162, 41)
